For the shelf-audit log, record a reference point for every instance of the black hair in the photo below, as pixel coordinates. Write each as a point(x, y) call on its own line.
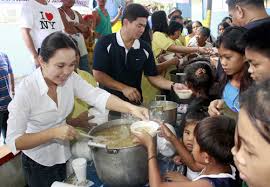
point(189, 27)
point(256, 101)
point(146, 36)
point(199, 23)
point(134, 11)
point(224, 24)
point(199, 75)
point(230, 39)
point(174, 18)
point(205, 31)
point(256, 3)
point(173, 27)
point(225, 18)
point(53, 42)
point(159, 22)
point(257, 39)
point(215, 136)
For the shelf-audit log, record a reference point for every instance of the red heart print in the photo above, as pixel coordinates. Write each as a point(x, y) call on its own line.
point(49, 16)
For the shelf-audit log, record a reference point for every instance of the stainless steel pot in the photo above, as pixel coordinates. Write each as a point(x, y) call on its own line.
point(119, 167)
point(167, 109)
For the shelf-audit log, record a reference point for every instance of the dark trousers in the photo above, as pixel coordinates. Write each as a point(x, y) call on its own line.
point(3, 123)
point(37, 175)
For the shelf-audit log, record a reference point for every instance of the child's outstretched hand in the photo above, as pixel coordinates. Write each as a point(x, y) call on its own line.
point(143, 138)
point(167, 133)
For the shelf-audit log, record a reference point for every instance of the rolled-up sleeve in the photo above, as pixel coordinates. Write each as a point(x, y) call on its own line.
point(19, 109)
point(94, 96)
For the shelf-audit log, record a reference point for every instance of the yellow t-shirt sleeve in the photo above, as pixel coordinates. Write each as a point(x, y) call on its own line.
point(160, 43)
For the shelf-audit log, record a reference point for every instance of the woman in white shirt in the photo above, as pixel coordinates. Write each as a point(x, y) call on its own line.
point(37, 114)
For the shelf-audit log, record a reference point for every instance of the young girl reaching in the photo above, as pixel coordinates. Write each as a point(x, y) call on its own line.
point(214, 138)
point(235, 78)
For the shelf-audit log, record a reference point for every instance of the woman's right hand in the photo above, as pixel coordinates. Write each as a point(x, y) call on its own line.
point(215, 106)
point(64, 132)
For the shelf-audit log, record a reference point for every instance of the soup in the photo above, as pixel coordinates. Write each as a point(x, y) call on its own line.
point(116, 137)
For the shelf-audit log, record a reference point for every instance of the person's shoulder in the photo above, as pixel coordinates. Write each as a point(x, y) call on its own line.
point(257, 23)
point(158, 34)
point(106, 40)
point(145, 45)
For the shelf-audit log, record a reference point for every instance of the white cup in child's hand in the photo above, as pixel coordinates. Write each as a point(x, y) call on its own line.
point(79, 167)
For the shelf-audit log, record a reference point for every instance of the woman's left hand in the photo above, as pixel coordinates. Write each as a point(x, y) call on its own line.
point(140, 112)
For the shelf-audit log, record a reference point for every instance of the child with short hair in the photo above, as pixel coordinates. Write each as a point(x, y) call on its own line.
point(214, 138)
point(191, 120)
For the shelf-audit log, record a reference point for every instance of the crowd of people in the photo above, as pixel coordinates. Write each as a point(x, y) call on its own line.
point(226, 125)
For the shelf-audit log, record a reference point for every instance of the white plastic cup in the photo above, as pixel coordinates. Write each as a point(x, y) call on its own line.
point(79, 167)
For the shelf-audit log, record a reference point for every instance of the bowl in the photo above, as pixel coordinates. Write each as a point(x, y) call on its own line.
point(169, 56)
point(150, 127)
point(184, 94)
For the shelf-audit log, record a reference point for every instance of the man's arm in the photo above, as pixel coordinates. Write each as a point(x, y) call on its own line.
point(69, 26)
point(131, 93)
point(160, 82)
point(30, 44)
point(108, 81)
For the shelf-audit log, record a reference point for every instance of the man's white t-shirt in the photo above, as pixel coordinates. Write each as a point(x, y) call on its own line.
point(41, 19)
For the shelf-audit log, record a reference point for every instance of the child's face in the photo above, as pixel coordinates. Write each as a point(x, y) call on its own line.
point(188, 136)
point(259, 65)
point(251, 153)
point(232, 62)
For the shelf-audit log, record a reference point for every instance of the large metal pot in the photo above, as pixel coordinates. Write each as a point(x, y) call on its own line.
point(168, 109)
point(119, 167)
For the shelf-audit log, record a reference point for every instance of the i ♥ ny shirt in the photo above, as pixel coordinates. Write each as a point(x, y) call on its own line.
point(41, 19)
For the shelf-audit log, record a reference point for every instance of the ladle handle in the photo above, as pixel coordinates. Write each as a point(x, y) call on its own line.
point(98, 145)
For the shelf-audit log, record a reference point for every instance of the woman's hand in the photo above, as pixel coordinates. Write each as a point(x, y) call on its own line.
point(144, 139)
point(167, 133)
point(64, 132)
point(215, 106)
point(179, 86)
point(140, 112)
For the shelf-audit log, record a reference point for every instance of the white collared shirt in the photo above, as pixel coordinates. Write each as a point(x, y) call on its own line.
point(32, 111)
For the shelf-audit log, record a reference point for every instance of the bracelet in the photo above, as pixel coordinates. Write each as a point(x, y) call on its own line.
point(151, 157)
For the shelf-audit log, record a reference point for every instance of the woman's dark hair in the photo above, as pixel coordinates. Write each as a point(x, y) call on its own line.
point(230, 39)
point(256, 102)
point(159, 22)
point(173, 27)
point(215, 136)
point(134, 11)
point(225, 18)
point(189, 27)
point(199, 23)
point(257, 39)
point(174, 18)
point(53, 42)
point(146, 36)
point(205, 31)
point(199, 75)
point(224, 24)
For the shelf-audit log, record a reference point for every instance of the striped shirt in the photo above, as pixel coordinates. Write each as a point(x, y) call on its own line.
point(5, 71)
